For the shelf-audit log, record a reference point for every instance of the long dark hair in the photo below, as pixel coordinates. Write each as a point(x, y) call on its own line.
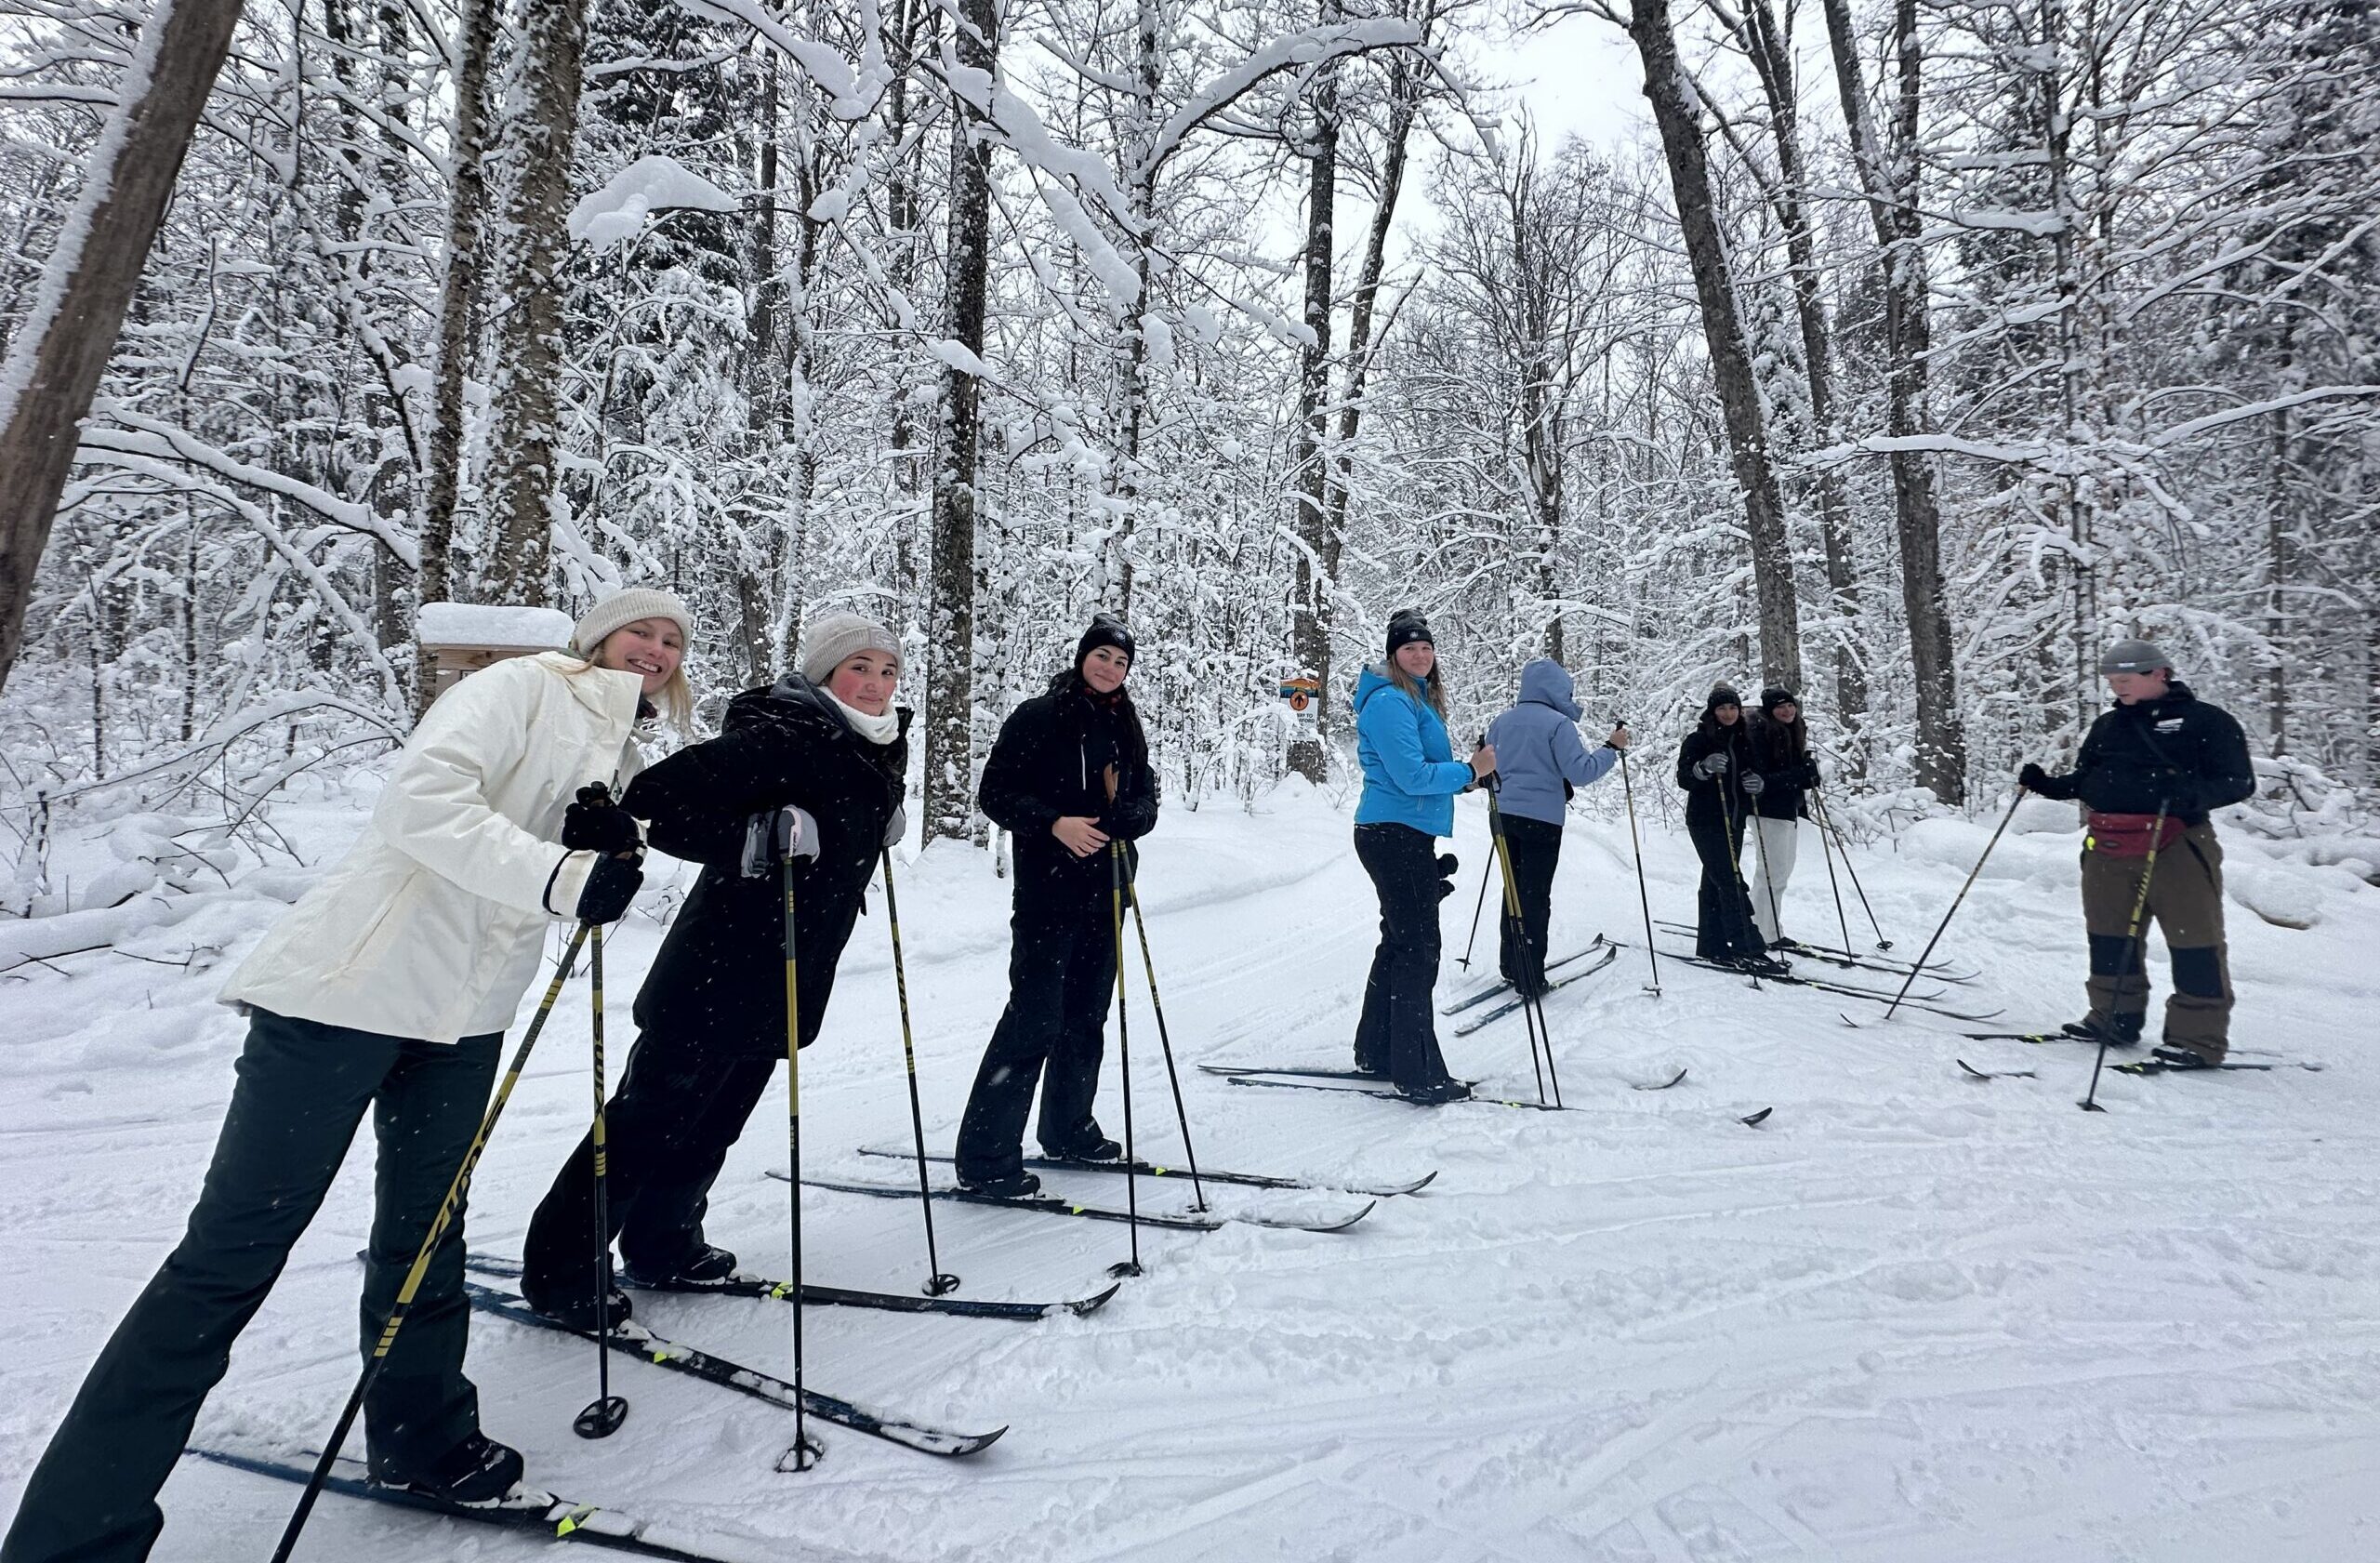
point(1135, 739)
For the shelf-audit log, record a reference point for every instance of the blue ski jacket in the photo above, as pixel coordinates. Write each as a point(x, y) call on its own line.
point(1539, 753)
point(1410, 774)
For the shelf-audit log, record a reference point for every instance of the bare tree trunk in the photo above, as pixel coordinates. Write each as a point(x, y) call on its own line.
point(755, 616)
point(2276, 585)
point(949, 741)
point(58, 354)
point(1892, 204)
point(1772, 59)
point(905, 220)
point(1310, 607)
point(1676, 109)
point(1132, 347)
point(526, 399)
point(466, 200)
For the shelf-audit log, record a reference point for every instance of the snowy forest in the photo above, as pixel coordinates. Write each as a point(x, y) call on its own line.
point(1904, 353)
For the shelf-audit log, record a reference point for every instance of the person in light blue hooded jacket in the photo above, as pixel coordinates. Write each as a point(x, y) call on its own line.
point(1410, 777)
point(1539, 762)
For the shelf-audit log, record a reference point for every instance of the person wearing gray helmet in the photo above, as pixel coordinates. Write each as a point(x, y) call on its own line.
point(2149, 771)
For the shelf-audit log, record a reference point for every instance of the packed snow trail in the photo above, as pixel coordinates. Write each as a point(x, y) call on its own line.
point(1912, 1316)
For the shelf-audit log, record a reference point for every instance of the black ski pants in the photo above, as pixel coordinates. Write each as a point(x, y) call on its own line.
point(666, 1131)
point(301, 1089)
point(1060, 979)
point(1397, 1035)
point(1723, 928)
point(1535, 848)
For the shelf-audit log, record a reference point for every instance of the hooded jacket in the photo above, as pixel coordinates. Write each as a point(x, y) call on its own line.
point(718, 979)
point(1051, 762)
point(1539, 754)
point(431, 925)
point(1789, 775)
point(1410, 774)
point(2176, 749)
point(1712, 800)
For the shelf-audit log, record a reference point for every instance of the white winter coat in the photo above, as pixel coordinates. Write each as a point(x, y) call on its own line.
point(431, 926)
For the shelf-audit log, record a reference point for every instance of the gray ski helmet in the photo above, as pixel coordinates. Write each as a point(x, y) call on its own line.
point(2131, 657)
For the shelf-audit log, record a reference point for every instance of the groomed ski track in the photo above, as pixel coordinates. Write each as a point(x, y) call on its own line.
point(1911, 1319)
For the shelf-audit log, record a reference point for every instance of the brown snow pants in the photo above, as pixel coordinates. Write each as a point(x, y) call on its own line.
point(2186, 902)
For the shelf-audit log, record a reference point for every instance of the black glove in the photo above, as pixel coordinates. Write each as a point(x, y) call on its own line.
point(1754, 783)
point(597, 824)
point(611, 885)
point(2032, 778)
point(1448, 865)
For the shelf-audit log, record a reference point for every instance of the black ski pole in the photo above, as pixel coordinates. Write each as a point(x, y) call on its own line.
point(1637, 847)
point(603, 1417)
point(412, 1287)
point(1141, 926)
point(2134, 936)
point(1738, 892)
point(937, 1283)
point(804, 1453)
point(1124, 1054)
point(1955, 900)
point(1487, 872)
point(1826, 850)
point(1516, 929)
point(1825, 823)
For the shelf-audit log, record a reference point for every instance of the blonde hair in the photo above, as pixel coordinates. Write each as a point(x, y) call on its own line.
point(675, 702)
point(1432, 689)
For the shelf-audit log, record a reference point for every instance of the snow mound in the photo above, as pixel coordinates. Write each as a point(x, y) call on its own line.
point(616, 213)
point(2044, 816)
point(2282, 895)
point(487, 624)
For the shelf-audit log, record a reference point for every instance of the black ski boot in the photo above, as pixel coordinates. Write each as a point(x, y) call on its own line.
point(1763, 966)
point(1005, 1185)
point(2174, 1055)
point(1439, 1095)
point(704, 1265)
point(1097, 1150)
point(475, 1473)
point(574, 1307)
point(2117, 1031)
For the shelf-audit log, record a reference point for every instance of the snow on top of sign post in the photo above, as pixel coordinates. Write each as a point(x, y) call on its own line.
point(489, 624)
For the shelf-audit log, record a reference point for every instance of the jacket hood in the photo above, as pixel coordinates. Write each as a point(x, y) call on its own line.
point(2176, 694)
point(1370, 682)
point(1547, 683)
point(608, 690)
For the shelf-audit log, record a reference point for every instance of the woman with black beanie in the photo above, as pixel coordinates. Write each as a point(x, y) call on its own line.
point(1410, 777)
point(1069, 773)
point(1711, 767)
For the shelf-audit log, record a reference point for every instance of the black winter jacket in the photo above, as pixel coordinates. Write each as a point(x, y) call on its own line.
point(1788, 775)
point(720, 977)
point(1704, 804)
point(2177, 750)
point(1051, 762)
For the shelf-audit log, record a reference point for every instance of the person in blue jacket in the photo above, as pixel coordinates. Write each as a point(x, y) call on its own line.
point(1410, 777)
point(1539, 763)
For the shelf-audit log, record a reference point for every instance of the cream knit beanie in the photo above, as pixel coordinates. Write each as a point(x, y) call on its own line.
point(625, 607)
point(832, 637)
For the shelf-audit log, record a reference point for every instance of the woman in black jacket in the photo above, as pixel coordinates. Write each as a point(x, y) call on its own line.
point(1780, 778)
point(817, 761)
point(1711, 766)
point(1069, 773)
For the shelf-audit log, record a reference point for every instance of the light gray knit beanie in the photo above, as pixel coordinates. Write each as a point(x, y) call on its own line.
point(2131, 657)
point(625, 607)
point(832, 637)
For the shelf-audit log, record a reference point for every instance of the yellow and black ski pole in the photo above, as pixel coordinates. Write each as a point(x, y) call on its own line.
point(1516, 929)
point(438, 1225)
point(2134, 956)
point(603, 1417)
point(937, 1283)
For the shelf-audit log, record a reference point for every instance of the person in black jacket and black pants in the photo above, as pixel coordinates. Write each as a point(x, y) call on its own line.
point(1069, 773)
point(1711, 767)
point(817, 764)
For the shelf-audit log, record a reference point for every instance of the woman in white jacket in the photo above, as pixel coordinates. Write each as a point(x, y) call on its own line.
point(388, 986)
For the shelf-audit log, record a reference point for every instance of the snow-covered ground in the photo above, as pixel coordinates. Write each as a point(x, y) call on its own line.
point(1912, 1316)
